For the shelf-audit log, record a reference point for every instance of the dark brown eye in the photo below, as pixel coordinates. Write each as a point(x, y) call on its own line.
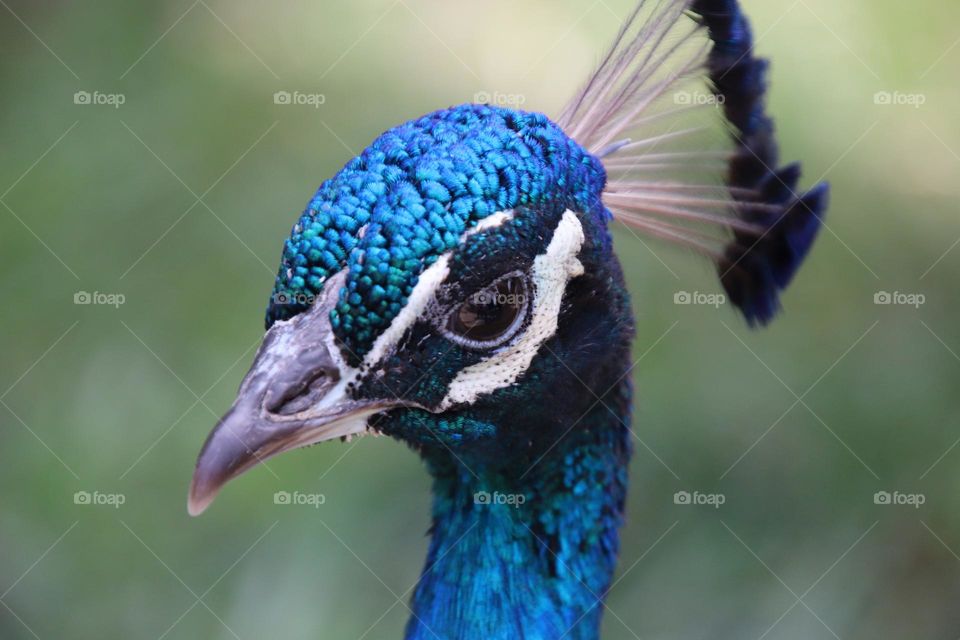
point(491, 316)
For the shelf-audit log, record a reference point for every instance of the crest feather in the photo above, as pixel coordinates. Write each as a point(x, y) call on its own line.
point(677, 72)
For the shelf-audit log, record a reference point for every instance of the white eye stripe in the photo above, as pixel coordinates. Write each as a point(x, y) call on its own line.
point(550, 274)
point(418, 301)
point(424, 292)
point(493, 220)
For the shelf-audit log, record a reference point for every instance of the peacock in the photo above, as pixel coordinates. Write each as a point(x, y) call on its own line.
point(455, 287)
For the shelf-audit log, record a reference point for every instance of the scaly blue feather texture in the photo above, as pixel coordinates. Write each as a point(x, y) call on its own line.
point(407, 198)
point(537, 571)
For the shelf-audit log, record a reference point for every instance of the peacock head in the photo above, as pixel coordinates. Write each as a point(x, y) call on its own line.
point(456, 269)
point(454, 285)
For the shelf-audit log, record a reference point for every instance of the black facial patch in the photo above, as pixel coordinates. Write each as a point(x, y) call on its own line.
point(424, 362)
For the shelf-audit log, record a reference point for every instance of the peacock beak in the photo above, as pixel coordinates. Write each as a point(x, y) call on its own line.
point(295, 394)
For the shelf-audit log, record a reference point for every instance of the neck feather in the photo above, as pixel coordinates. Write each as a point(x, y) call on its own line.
point(527, 550)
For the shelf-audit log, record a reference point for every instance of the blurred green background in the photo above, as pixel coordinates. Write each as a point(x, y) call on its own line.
point(179, 200)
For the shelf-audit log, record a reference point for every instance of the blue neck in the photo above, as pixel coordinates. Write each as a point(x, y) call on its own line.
point(537, 570)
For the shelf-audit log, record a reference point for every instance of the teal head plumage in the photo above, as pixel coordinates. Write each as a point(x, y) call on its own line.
point(414, 192)
point(455, 287)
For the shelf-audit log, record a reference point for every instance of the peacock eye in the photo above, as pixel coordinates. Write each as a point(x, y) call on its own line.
point(490, 316)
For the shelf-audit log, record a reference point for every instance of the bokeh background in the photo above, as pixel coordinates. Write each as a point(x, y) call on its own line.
point(178, 200)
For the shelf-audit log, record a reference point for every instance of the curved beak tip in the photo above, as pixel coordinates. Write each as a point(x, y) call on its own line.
point(199, 499)
point(288, 366)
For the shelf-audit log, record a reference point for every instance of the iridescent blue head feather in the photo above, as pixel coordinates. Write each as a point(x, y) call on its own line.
point(407, 198)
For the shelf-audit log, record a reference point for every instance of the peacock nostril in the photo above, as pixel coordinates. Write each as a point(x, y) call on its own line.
point(299, 396)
